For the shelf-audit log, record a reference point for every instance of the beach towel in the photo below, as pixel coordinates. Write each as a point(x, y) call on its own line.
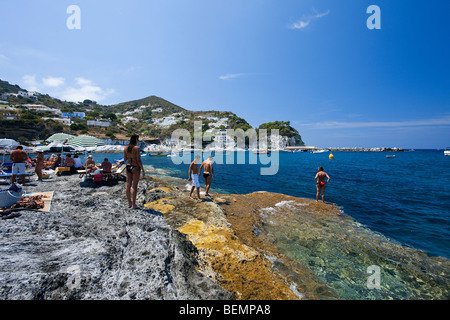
point(46, 198)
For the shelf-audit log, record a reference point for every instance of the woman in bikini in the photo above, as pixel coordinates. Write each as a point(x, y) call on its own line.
point(132, 157)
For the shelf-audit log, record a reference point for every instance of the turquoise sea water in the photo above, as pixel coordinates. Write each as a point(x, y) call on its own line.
point(406, 198)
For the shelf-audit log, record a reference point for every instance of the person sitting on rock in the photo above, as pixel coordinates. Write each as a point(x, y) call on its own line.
point(58, 161)
point(106, 167)
point(70, 163)
point(90, 164)
point(78, 165)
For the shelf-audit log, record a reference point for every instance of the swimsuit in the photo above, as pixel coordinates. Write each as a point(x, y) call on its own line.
point(130, 168)
point(206, 175)
point(18, 168)
point(195, 182)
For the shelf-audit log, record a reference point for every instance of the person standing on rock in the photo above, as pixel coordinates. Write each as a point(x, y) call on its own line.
point(208, 173)
point(321, 183)
point(132, 158)
point(193, 175)
point(39, 164)
point(18, 157)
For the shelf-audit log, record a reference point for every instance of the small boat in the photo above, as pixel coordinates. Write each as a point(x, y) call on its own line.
point(447, 151)
point(319, 151)
point(261, 152)
point(390, 156)
point(159, 154)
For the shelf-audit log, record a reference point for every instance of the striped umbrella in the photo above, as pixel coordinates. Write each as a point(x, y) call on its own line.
point(60, 137)
point(85, 141)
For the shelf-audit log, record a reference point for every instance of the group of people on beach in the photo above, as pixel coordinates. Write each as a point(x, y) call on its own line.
point(20, 159)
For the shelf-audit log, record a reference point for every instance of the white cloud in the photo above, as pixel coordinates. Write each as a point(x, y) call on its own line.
point(82, 88)
point(30, 83)
point(380, 124)
point(306, 20)
point(53, 81)
point(85, 89)
point(231, 76)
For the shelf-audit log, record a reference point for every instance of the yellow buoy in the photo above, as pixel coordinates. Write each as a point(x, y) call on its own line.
point(331, 156)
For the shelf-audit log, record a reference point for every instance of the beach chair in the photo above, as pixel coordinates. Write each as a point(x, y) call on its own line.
point(115, 174)
point(62, 170)
point(6, 172)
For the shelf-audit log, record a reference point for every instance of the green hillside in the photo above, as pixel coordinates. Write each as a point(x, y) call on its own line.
point(153, 102)
point(153, 118)
point(6, 87)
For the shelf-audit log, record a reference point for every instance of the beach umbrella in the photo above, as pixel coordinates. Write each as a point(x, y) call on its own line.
point(85, 141)
point(60, 137)
point(8, 143)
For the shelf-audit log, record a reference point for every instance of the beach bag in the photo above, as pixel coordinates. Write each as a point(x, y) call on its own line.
point(10, 196)
point(98, 178)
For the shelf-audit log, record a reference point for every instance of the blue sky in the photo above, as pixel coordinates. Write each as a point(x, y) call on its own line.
point(314, 63)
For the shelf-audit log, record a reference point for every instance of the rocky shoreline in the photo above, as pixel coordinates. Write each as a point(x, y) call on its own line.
point(92, 246)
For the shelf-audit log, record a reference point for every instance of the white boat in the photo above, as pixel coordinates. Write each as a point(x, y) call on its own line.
point(319, 151)
point(447, 151)
point(159, 154)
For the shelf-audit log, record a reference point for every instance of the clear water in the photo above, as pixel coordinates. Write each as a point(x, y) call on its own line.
point(406, 198)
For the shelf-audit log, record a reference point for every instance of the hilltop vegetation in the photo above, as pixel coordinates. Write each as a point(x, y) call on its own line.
point(153, 118)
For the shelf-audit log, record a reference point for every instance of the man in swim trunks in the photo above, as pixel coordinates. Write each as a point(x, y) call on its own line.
point(208, 173)
point(321, 183)
point(18, 157)
point(193, 175)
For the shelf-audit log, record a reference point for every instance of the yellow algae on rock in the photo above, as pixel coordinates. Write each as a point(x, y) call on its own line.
point(160, 205)
point(164, 189)
point(242, 270)
point(237, 267)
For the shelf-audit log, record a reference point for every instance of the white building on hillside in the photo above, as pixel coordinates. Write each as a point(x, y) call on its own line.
point(98, 123)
